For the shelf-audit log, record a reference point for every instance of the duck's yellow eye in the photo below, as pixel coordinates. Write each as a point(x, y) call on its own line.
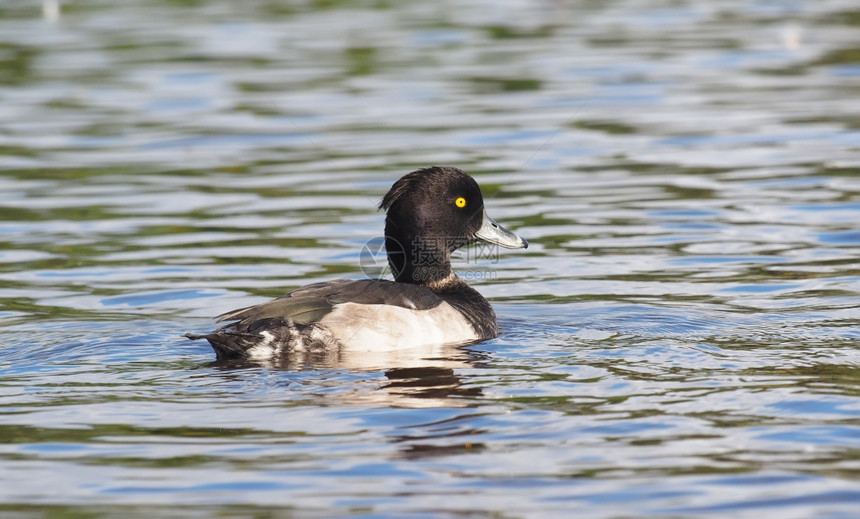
point(460, 202)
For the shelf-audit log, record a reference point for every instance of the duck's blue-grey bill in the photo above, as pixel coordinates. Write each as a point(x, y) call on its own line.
point(492, 232)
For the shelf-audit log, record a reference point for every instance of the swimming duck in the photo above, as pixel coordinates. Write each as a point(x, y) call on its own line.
point(430, 213)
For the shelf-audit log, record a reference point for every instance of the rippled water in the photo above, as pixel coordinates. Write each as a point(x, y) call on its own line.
point(681, 338)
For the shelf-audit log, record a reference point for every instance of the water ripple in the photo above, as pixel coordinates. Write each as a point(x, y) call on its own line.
point(680, 338)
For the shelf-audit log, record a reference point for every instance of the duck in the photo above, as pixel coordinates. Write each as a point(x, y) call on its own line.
point(429, 213)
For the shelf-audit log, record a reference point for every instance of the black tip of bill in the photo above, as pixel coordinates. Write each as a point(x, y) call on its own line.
point(492, 232)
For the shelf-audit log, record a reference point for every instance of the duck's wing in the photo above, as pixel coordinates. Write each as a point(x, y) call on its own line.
point(310, 303)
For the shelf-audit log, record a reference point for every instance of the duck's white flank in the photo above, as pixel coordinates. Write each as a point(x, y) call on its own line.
point(361, 327)
point(265, 348)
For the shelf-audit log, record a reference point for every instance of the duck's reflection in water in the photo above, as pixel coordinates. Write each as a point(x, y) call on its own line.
point(420, 378)
point(428, 382)
point(414, 378)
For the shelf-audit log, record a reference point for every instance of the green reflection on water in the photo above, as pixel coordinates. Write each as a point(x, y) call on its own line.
point(16, 64)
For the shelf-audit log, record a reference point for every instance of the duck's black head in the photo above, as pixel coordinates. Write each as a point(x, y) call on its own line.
point(430, 213)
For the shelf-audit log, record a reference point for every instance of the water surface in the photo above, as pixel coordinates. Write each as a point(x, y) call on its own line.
point(680, 338)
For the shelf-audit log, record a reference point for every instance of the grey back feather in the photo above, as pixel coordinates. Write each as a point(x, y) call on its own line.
point(311, 303)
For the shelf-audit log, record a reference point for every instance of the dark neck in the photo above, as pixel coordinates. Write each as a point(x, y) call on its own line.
point(417, 260)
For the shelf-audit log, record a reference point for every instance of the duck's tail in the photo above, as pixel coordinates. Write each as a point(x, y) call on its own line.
point(230, 345)
point(265, 339)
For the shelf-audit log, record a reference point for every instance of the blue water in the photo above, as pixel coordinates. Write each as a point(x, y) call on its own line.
point(680, 339)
